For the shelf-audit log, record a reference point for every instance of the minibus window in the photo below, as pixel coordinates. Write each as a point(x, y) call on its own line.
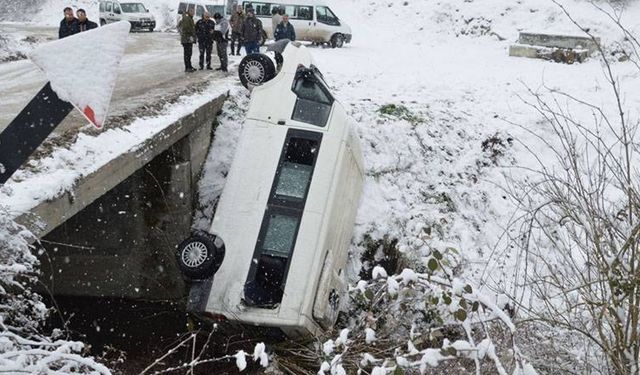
point(305, 13)
point(101, 7)
point(261, 9)
point(199, 11)
point(290, 10)
point(280, 234)
point(294, 180)
point(182, 7)
point(326, 16)
point(295, 174)
point(109, 7)
point(314, 102)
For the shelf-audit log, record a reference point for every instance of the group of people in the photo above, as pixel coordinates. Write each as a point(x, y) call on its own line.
point(205, 31)
point(246, 30)
point(71, 25)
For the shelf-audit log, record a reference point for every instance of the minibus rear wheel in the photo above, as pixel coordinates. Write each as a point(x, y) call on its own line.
point(197, 256)
point(256, 69)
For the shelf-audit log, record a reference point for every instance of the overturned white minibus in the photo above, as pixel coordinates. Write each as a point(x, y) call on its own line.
point(277, 248)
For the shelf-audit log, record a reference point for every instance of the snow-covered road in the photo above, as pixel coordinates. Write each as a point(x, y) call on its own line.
point(151, 70)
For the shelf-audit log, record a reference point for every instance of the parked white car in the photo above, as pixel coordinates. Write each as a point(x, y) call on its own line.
point(276, 251)
point(135, 13)
point(312, 20)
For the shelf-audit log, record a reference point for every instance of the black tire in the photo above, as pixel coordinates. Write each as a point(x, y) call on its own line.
point(263, 38)
point(337, 41)
point(279, 61)
point(103, 22)
point(199, 257)
point(256, 69)
point(151, 29)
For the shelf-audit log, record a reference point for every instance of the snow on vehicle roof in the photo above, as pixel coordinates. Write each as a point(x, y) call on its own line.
point(290, 2)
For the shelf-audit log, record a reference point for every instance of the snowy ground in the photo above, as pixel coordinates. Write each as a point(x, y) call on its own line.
point(430, 182)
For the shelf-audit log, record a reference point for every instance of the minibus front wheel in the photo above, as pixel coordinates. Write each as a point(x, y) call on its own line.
point(199, 256)
point(337, 40)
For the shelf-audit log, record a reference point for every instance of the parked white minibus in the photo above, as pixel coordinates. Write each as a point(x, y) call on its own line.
point(312, 20)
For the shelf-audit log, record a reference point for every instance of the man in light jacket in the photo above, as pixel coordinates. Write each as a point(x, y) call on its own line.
point(221, 36)
point(276, 18)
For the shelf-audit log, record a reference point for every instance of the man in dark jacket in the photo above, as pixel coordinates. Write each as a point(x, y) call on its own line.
point(285, 30)
point(187, 37)
point(83, 22)
point(251, 32)
point(236, 21)
point(69, 25)
point(204, 31)
point(221, 36)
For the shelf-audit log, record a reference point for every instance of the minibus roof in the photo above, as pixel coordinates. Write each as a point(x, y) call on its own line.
point(289, 2)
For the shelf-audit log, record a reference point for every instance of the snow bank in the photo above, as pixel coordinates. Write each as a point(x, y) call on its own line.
point(58, 172)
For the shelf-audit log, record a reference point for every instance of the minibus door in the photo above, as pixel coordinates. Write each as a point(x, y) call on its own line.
point(325, 25)
point(303, 22)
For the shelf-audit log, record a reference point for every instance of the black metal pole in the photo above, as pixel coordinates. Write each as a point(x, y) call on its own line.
point(29, 129)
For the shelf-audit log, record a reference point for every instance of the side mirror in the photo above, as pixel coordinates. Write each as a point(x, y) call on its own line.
point(147, 10)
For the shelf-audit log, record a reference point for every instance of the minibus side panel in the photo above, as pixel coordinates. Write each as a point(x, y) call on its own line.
point(332, 286)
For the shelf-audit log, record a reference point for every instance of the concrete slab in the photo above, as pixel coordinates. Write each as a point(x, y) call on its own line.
point(548, 53)
point(559, 41)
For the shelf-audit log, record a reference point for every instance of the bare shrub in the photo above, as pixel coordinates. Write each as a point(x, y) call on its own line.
point(580, 232)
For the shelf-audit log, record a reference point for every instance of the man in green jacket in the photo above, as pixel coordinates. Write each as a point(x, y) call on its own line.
point(187, 30)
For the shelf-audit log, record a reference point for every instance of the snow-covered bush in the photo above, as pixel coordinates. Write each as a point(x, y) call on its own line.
point(23, 348)
point(414, 322)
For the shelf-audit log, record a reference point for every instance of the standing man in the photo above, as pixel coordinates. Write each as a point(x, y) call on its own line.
point(251, 32)
point(276, 18)
point(68, 25)
point(204, 31)
point(188, 38)
point(237, 19)
point(285, 30)
point(221, 35)
point(83, 22)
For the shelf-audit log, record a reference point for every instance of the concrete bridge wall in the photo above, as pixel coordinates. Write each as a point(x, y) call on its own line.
point(115, 234)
